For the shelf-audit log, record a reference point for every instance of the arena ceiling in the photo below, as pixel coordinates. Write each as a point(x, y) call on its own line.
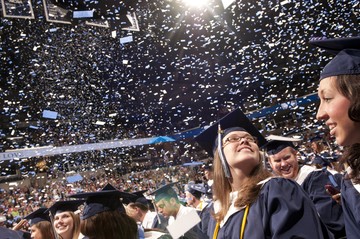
point(180, 67)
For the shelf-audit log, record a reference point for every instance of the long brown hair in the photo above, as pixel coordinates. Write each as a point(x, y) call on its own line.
point(349, 86)
point(109, 225)
point(222, 188)
point(46, 229)
point(352, 157)
point(76, 229)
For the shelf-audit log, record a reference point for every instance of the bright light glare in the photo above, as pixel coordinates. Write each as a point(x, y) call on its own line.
point(196, 3)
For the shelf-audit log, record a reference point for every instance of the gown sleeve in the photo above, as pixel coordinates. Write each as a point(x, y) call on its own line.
point(331, 213)
point(350, 199)
point(289, 213)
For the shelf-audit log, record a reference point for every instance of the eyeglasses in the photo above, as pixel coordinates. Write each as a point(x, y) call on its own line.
point(234, 139)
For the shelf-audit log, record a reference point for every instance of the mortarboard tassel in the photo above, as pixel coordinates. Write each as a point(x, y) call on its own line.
point(222, 156)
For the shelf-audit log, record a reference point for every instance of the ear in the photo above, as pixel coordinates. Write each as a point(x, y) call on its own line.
point(173, 201)
point(270, 162)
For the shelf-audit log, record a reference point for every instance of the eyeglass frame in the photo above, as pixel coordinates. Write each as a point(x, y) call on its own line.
point(249, 138)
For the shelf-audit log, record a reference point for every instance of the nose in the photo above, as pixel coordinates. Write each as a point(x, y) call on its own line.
point(283, 163)
point(321, 113)
point(244, 141)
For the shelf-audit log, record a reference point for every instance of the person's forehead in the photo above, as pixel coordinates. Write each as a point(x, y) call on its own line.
point(237, 133)
point(161, 201)
point(284, 152)
point(60, 214)
point(327, 84)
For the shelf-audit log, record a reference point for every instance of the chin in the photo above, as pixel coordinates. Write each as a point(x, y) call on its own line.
point(342, 142)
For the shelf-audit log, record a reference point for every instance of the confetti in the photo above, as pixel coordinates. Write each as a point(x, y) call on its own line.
point(173, 69)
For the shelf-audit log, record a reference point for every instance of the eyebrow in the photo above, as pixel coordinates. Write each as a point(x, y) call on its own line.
point(236, 134)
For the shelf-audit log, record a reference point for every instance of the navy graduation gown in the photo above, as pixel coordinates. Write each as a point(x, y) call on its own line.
point(331, 213)
point(205, 216)
point(350, 199)
point(7, 233)
point(282, 211)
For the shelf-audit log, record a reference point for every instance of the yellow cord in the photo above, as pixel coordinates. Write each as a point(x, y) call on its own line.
point(216, 230)
point(243, 223)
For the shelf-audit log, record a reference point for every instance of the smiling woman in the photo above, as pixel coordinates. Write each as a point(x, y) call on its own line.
point(250, 203)
point(65, 221)
point(339, 93)
point(40, 226)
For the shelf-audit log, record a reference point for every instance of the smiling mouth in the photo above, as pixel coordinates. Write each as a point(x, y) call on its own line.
point(286, 171)
point(244, 148)
point(62, 227)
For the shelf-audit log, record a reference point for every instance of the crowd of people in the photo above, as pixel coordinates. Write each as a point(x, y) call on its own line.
point(257, 188)
point(286, 200)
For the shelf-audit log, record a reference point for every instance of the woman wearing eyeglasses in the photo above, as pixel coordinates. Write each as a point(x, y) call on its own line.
point(250, 203)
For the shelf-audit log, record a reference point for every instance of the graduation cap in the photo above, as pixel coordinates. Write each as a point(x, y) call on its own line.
point(108, 199)
point(347, 59)
point(196, 189)
point(320, 160)
point(64, 206)
point(234, 121)
point(138, 198)
point(211, 138)
point(165, 191)
point(38, 216)
point(108, 187)
point(277, 143)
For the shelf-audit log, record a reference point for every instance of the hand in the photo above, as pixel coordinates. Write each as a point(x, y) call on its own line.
point(19, 225)
point(337, 198)
point(334, 193)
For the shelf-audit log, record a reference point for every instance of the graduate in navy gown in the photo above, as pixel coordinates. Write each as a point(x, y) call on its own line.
point(282, 157)
point(250, 203)
point(104, 215)
point(339, 93)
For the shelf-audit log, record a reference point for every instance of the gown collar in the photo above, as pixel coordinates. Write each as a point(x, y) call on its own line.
point(233, 209)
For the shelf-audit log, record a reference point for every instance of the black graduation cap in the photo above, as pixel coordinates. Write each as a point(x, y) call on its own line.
point(108, 199)
point(234, 121)
point(137, 195)
point(335, 45)
point(165, 191)
point(38, 216)
point(347, 59)
point(64, 206)
point(196, 189)
point(108, 187)
point(277, 143)
point(138, 198)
